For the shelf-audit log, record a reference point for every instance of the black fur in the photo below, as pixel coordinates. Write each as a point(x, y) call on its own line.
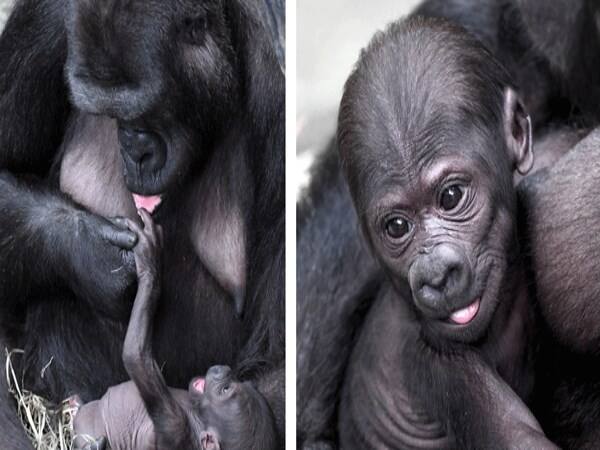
point(550, 48)
point(337, 278)
point(202, 84)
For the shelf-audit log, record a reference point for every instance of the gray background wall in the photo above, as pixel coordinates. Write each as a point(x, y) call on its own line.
point(330, 34)
point(4, 8)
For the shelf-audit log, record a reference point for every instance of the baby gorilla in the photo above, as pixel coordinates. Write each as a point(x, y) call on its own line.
point(430, 134)
point(216, 412)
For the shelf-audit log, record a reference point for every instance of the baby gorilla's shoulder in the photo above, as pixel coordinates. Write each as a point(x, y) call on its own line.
point(120, 416)
point(128, 422)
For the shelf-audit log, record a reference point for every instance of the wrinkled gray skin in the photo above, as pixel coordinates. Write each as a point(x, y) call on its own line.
point(441, 122)
point(217, 412)
point(121, 418)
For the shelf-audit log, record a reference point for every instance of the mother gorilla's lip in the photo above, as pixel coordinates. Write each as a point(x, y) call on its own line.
point(466, 315)
point(149, 203)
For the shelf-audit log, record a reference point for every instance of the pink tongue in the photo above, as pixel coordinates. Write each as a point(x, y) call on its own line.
point(199, 385)
point(148, 203)
point(464, 316)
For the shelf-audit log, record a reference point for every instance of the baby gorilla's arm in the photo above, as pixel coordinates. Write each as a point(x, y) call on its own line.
point(170, 420)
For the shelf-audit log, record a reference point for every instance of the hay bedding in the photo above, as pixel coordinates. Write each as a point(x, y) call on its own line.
point(49, 427)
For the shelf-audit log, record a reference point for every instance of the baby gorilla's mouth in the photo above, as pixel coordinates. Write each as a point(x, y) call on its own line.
point(199, 385)
point(465, 315)
point(149, 203)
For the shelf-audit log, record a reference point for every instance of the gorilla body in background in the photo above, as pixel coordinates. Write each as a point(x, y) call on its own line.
point(563, 216)
point(338, 278)
point(106, 107)
point(551, 49)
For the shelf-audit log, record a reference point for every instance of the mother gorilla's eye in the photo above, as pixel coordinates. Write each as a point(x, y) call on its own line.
point(194, 29)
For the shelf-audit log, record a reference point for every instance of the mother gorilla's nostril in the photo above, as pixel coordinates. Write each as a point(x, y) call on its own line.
point(141, 148)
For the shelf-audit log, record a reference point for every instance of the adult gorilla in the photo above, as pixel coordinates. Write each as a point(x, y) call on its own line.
point(558, 78)
point(176, 107)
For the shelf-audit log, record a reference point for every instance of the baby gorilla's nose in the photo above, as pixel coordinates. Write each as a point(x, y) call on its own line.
point(218, 373)
point(440, 279)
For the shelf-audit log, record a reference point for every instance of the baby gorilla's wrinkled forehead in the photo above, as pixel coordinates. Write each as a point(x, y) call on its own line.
point(421, 92)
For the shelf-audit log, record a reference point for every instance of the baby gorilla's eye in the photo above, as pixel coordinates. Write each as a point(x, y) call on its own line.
point(451, 197)
point(397, 227)
point(225, 389)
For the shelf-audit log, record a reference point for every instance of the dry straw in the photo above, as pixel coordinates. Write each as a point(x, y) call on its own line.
point(50, 427)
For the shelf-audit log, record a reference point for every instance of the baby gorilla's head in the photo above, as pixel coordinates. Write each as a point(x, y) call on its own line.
point(233, 413)
point(429, 144)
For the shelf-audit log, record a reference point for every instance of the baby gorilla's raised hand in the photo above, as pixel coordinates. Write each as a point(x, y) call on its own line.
point(148, 248)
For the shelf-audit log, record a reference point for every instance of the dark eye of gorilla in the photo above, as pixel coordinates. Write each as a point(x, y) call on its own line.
point(451, 197)
point(397, 227)
point(194, 29)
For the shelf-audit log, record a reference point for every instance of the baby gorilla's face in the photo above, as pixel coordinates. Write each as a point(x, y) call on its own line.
point(233, 413)
point(217, 392)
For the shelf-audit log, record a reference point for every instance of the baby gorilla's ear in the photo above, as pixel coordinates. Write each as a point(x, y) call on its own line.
point(517, 132)
point(209, 440)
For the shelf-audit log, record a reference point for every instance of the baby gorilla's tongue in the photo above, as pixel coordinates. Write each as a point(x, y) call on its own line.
point(199, 385)
point(465, 315)
point(149, 203)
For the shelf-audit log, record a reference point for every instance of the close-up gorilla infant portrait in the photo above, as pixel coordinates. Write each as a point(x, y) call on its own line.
point(142, 224)
point(448, 292)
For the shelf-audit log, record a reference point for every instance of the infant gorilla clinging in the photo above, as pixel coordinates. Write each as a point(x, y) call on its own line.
point(218, 412)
